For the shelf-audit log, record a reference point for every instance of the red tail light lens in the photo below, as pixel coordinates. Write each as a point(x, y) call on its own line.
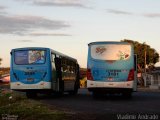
point(131, 75)
point(89, 75)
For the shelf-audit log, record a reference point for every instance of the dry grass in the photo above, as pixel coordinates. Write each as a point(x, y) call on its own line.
point(12, 103)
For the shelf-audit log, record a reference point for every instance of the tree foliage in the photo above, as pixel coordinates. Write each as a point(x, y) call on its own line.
point(152, 56)
point(0, 60)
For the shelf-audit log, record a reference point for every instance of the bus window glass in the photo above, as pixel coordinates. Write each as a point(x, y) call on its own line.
point(111, 52)
point(53, 57)
point(29, 57)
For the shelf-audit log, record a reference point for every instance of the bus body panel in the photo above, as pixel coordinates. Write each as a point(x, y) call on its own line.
point(36, 76)
point(54, 72)
point(104, 71)
point(110, 73)
point(98, 84)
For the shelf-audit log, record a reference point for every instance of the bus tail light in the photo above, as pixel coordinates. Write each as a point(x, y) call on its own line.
point(89, 75)
point(131, 75)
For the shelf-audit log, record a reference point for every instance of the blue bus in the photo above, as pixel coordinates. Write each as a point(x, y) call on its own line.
point(111, 68)
point(43, 70)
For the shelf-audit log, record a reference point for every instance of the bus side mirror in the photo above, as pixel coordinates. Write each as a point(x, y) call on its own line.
point(10, 53)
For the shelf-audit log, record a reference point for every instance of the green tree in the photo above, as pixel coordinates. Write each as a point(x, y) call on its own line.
point(152, 56)
point(0, 64)
point(0, 60)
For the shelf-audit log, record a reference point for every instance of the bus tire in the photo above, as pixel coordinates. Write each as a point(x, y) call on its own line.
point(74, 92)
point(30, 94)
point(127, 94)
point(76, 88)
point(96, 95)
point(58, 94)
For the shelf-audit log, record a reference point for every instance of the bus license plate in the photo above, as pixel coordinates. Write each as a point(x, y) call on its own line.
point(110, 79)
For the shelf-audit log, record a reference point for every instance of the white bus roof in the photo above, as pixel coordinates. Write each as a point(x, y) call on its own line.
point(53, 51)
point(108, 42)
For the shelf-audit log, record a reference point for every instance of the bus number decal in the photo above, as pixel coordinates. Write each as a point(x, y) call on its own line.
point(112, 74)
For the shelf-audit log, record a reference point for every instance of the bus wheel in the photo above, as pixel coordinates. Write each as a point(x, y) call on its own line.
point(58, 94)
point(31, 94)
point(96, 95)
point(127, 94)
point(75, 91)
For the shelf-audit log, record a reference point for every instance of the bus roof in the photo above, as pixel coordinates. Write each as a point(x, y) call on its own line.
point(53, 51)
point(63, 55)
point(108, 42)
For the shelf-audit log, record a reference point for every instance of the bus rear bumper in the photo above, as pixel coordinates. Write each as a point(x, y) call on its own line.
point(22, 86)
point(93, 85)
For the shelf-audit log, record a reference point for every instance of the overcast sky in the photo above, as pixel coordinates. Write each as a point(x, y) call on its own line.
point(69, 25)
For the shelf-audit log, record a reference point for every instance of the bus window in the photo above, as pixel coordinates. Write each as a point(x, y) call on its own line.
point(111, 52)
point(25, 57)
point(53, 57)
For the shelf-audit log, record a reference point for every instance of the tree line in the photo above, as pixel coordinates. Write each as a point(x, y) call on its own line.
point(152, 56)
point(3, 70)
point(0, 60)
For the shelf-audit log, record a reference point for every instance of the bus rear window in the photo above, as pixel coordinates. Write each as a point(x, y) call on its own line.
point(25, 57)
point(110, 52)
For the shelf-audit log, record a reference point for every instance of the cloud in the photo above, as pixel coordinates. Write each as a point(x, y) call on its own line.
point(49, 34)
point(60, 3)
point(118, 12)
point(152, 15)
point(2, 10)
point(2, 7)
point(24, 40)
point(22, 25)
